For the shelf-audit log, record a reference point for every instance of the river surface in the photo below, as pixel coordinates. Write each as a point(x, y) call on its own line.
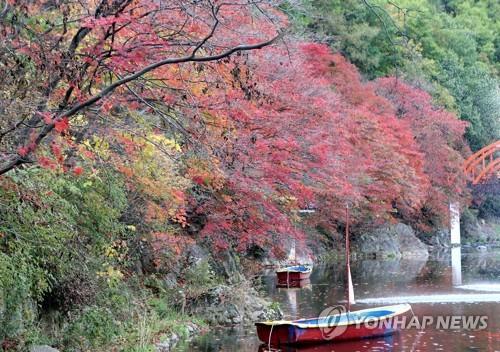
point(434, 287)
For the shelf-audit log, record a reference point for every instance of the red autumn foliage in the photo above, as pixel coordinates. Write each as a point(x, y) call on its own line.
point(439, 137)
point(22, 151)
point(57, 151)
point(78, 170)
point(311, 131)
point(61, 125)
point(47, 117)
point(47, 163)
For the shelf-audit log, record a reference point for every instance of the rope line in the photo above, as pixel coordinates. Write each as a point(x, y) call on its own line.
point(270, 334)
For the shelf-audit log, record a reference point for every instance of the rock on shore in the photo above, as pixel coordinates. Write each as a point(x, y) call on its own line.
point(168, 343)
point(229, 305)
point(398, 240)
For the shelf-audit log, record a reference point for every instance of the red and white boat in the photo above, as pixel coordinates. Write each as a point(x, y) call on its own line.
point(361, 324)
point(292, 274)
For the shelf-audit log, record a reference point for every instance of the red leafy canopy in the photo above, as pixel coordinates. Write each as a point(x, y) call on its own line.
point(439, 137)
point(311, 131)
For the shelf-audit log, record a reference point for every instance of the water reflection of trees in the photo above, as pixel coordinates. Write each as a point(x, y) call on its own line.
point(482, 266)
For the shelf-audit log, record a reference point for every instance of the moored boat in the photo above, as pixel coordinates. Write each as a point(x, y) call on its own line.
point(293, 274)
point(353, 325)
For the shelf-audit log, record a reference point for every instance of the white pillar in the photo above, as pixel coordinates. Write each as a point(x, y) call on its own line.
point(456, 266)
point(455, 223)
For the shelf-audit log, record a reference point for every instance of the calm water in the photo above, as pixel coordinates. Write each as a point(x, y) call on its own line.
point(471, 286)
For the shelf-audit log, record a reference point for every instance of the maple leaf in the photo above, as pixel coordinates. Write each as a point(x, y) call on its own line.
point(78, 170)
point(61, 125)
point(199, 180)
point(57, 152)
point(46, 163)
point(23, 151)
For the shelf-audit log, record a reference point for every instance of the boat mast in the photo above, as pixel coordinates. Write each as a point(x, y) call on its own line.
point(349, 286)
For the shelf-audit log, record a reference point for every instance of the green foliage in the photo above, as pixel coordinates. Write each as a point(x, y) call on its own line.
point(199, 278)
point(353, 29)
point(128, 316)
point(95, 327)
point(490, 207)
point(52, 230)
point(476, 96)
point(16, 309)
point(275, 305)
